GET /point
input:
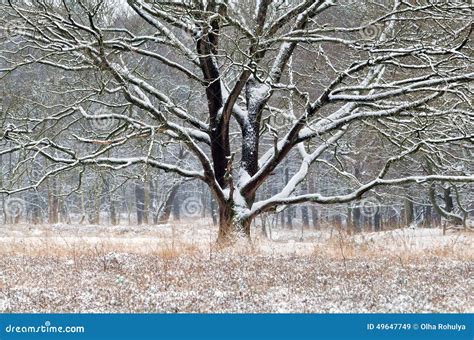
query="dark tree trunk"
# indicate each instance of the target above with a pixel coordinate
(349, 217)
(168, 205)
(314, 211)
(378, 220)
(177, 207)
(53, 202)
(428, 218)
(289, 210)
(409, 213)
(448, 199)
(64, 211)
(305, 216)
(356, 219)
(220, 147)
(289, 218)
(113, 213)
(356, 210)
(36, 217)
(315, 217)
(445, 212)
(110, 202)
(140, 202)
(94, 201)
(231, 228)
(250, 133)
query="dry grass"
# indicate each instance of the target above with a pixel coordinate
(159, 271)
(343, 245)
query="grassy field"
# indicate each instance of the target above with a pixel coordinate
(177, 269)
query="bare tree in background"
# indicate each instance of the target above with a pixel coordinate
(244, 86)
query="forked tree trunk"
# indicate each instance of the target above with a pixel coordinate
(231, 227)
(164, 215)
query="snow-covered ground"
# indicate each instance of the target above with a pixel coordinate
(176, 268)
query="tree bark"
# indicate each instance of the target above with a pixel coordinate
(36, 217)
(356, 219)
(312, 189)
(53, 202)
(408, 211)
(140, 202)
(377, 220)
(305, 216)
(232, 228)
(164, 215)
(428, 218)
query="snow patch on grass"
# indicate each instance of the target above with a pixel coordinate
(178, 269)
